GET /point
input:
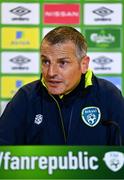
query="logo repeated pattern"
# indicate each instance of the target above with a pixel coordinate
(23, 25)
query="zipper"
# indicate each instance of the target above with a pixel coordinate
(61, 118)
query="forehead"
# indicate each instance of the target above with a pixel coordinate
(65, 46)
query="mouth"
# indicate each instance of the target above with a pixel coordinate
(54, 82)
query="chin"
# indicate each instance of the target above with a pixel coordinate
(54, 92)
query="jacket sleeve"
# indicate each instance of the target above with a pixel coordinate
(12, 121)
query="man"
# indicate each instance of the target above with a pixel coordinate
(69, 105)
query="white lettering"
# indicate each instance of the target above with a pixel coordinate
(33, 160)
(1, 158)
(14, 165)
(6, 159)
(80, 161)
(25, 162)
(73, 163)
(52, 162)
(62, 14)
(63, 163)
(43, 163)
(92, 160)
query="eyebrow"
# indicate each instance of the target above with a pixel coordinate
(59, 59)
(63, 58)
(43, 56)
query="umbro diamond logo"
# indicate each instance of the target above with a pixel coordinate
(102, 60)
(103, 11)
(20, 11)
(20, 60)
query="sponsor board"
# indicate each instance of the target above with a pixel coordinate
(3, 104)
(20, 13)
(20, 38)
(106, 62)
(11, 84)
(103, 13)
(20, 62)
(61, 13)
(104, 38)
(117, 81)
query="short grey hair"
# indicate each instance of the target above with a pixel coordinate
(63, 34)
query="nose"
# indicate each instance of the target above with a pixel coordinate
(52, 70)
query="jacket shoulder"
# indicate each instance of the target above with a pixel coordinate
(27, 92)
(31, 87)
(107, 88)
(104, 84)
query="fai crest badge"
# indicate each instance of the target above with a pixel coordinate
(91, 115)
(114, 160)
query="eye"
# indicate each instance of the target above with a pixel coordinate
(45, 62)
(63, 63)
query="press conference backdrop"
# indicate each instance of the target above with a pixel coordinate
(23, 23)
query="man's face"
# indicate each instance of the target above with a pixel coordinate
(61, 69)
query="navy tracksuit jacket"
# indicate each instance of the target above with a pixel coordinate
(92, 115)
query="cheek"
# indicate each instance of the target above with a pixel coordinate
(69, 79)
(73, 78)
(74, 75)
(44, 72)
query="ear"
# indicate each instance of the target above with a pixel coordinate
(85, 64)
